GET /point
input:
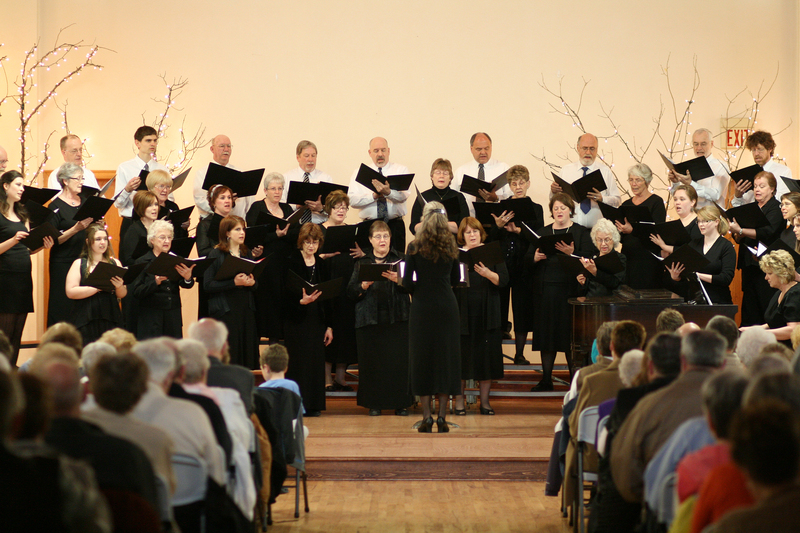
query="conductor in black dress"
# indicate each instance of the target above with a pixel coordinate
(553, 286)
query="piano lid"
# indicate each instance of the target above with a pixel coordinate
(650, 295)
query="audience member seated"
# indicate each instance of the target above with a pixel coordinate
(213, 334)
(669, 320)
(765, 445)
(121, 339)
(727, 327)
(776, 348)
(43, 493)
(119, 465)
(61, 333)
(195, 370)
(610, 512)
(34, 421)
(117, 383)
(687, 328)
(769, 362)
(658, 415)
(750, 343)
(274, 363)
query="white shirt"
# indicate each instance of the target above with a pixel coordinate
(779, 171)
(361, 197)
(491, 170)
(126, 172)
(713, 188)
(88, 179)
(573, 172)
(201, 195)
(315, 176)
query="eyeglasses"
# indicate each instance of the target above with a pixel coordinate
(79, 180)
(635, 181)
(606, 240)
(441, 172)
(340, 208)
(163, 238)
(163, 187)
(381, 237)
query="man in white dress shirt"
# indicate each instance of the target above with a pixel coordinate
(762, 146)
(128, 181)
(307, 171)
(221, 149)
(587, 213)
(3, 159)
(712, 189)
(394, 202)
(483, 168)
(72, 152)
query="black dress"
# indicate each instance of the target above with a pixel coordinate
(482, 326)
(269, 314)
(643, 271)
(434, 337)
(96, 314)
(781, 314)
(344, 349)
(603, 283)
(131, 249)
(304, 332)
(236, 308)
(722, 267)
(693, 229)
(756, 292)
(207, 237)
(16, 287)
(552, 287)
(440, 195)
(61, 258)
(382, 337)
(159, 304)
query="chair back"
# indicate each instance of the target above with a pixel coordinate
(287, 417)
(191, 479)
(587, 425)
(162, 497)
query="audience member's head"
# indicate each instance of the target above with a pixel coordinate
(64, 333)
(160, 360)
(213, 334)
(630, 366)
(722, 398)
(54, 351)
(774, 385)
(765, 443)
(627, 335)
(38, 411)
(12, 403)
(687, 328)
(769, 362)
(669, 320)
(195, 359)
(64, 380)
(604, 338)
(274, 358)
(777, 348)
(118, 381)
(664, 354)
(92, 352)
(703, 349)
(750, 343)
(120, 339)
(726, 327)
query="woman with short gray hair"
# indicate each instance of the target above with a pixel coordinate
(605, 278)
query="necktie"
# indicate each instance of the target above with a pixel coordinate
(481, 177)
(307, 215)
(146, 167)
(383, 209)
(586, 204)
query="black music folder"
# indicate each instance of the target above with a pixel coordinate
(95, 207)
(265, 218)
(178, 180)
(673, 232)
(581, 187)
(101, 276)
(329, 289)
(489, 254)
(792, 185)
(232, 266)
(473, 186)
(36, 236)
(40, 196)
(746, 174)
(257, 235)
(179, 217)
(300, 191)
(164, 265)
(691, 259)
(374, 271)
(761, 250)
(241, 183)
(182, 247)
(143, 177)
(634, 213)
(697, 168)
(546, 243)
(339, 239)
(399, 182)
(609, 263)
(748, 216)
(485, 210)
(38, 214)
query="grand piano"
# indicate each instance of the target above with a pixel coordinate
(642, 306)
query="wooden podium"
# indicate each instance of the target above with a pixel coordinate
(643, 306)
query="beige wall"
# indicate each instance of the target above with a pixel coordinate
(425, 75)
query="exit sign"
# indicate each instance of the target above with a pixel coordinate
(736, 132)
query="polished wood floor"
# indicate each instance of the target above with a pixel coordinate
(425, 506)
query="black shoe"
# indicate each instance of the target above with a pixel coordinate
(459, 412)
(311, 414)
(401, 412)
(374, 412)
(521, 361)
(343, 388)
(543, 386)
(507, 336)
(426, 426)
(488, 411)
(442, 425)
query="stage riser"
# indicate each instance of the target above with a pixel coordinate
(426, 470)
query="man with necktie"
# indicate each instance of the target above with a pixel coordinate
(587, 213)
(308, 172)
(483, 168)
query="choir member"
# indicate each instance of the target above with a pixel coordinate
(220, 198)
(685, 200)
(481, 322)
(159, 183)
(382, 309)
(605, 237)
(434, 325)
(94, 311)
(790, 207)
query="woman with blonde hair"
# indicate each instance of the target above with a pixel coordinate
(434, 346)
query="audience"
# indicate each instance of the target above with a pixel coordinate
(630, 367)
(750, 343)
(727, 327)
(669, 320)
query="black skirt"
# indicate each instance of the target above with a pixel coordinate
(383, 366)
(552, 328)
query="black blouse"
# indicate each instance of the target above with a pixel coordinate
(438, 195)
(765, 234)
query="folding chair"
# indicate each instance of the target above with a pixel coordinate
(587, 435)
(191, 483)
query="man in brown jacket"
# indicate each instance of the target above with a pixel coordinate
(657, 415)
